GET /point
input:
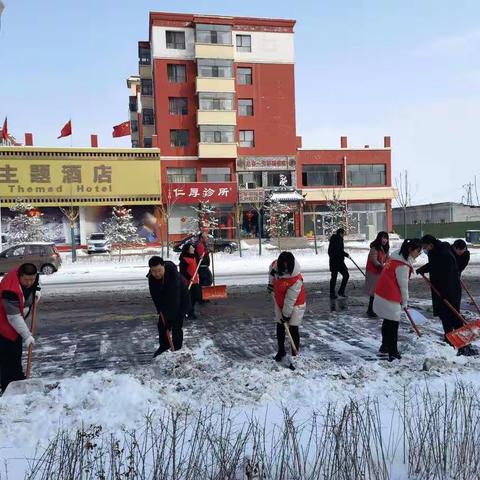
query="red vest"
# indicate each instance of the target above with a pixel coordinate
(280, 287)
(10, 283)
(387, 285)
(381, 255)
(191, 267)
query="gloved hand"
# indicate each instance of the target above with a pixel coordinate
(347, 255)
(29, 341)
(270, 288)
(285, 319)
(38, 295)
(418, 271)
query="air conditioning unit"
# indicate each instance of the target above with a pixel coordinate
(250, 185)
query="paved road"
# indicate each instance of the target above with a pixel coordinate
(116, 329)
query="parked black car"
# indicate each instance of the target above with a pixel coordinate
(219, 244)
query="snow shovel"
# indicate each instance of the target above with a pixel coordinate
(355, 263)
(463, 336)
(414, 326)
(470, 295)
(289, 335)
(214, 292)
(168, 333)
(28, 385)
(196, 271)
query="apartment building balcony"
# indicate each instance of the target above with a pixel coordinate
(215, 85)
(214, 51)
(217, 150)
(216, 117)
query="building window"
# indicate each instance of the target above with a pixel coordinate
(134, 125)
(279, 179)
(366, 175)
(178, 106)
(244, 75)
(216, 174)
(178, 138)
(134, 143)
(247, 138)
(216, 101)
(245, 107)
(147, 142)
(218, 34)
(132, 104)
(144, 57)
(321, 175)
(215, 68)
(250, 179)
(147, 116)
(217, 134)
(177, 73)
(147, 86)
(175, 39)
(244, 43)
(181, 175)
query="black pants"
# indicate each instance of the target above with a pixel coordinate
(10, 361)
(176, 332)
(343, 270)
(195, 296)
(390, 335)
(281, 334)
(205, 276)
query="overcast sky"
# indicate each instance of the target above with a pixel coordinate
(365, 69)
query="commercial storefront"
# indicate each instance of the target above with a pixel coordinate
(260, 177)
(183, 200)
(92, 179)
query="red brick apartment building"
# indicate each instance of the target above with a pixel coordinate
(216, 94)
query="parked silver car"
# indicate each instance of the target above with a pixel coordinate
(97, 243)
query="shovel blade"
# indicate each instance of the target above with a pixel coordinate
(24, 387)
(215, 292)
(463, 336)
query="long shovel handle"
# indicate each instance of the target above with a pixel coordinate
(355, 263)
(417, 331)
(447, 303)
(289, 335)
(470, 295)
(196, 271)
(33, 327)
(167, 333)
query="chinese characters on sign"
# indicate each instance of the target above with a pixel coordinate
(200, 192)
(266, 163)
(52, 178)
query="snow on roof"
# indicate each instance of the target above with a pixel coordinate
(287, 196)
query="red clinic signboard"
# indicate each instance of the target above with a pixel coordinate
(190, 193)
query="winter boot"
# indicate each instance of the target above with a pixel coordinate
(342, 295)
(467, 351)
(159, 351)
(383, 349)
(370, 312)
(279, 356)
(394, 356)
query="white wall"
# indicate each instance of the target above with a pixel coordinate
(159, 43)
(267, 47)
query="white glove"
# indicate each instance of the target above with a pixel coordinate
(38, 295)
(29, 341)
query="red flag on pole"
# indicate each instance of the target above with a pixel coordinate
(5, 130)
(121, 130)
(66, 130)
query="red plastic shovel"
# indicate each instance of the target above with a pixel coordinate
(463, 336)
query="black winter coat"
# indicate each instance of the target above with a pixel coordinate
(462, 260)
(336, 252)
(170, 295)
(444, 275)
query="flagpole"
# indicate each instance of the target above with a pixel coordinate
(71, 135)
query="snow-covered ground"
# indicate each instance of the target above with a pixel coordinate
(103, 268)
(205, 377)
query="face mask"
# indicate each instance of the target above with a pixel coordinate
(425, 251)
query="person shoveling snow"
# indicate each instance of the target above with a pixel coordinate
(19, 291)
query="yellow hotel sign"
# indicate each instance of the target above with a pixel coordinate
(52, 181)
